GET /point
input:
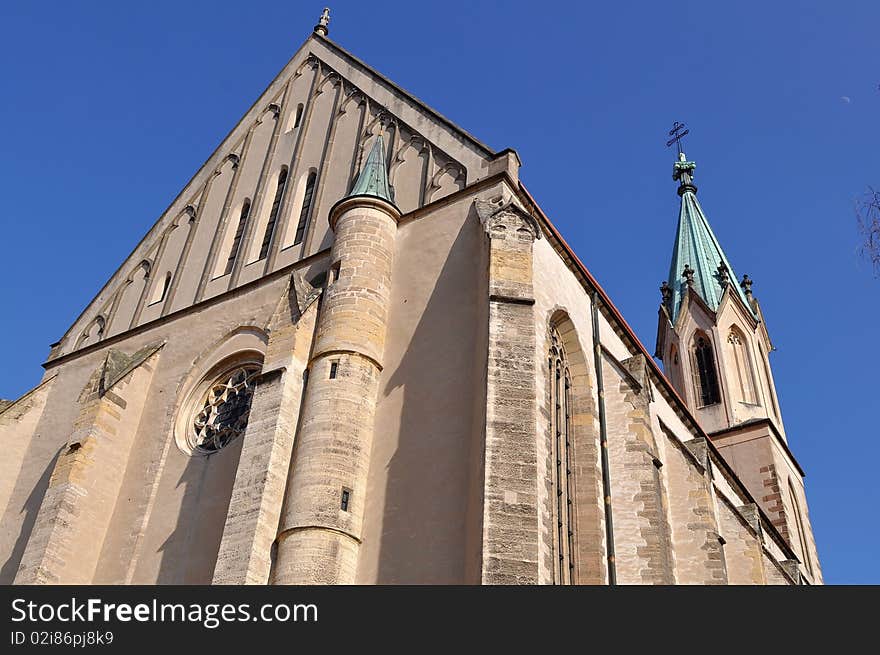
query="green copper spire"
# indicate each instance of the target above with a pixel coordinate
(697, 258)
(373, 178)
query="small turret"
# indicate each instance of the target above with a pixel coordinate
(321, 527)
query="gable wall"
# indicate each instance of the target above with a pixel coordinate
(344, 106)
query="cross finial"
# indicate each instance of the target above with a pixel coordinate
(678, 132)
(321, 28)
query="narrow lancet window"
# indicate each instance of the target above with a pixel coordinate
(273, 214)
(236, 241)
(161, 289)
(306, 208)
(561, 495)
(706, 375)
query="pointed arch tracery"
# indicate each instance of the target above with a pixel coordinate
(574, 551)
(561, 497)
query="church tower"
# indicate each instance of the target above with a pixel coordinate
(714, 345)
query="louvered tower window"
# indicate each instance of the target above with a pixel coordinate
(706, 375)
(236, 241)
(561, 495)
(306, 208)
(273, 215)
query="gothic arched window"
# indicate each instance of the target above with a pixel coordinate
(560, 430)
(223, 412)
(295, 118)
(306, 207)
(705, 373)
(273, 214)
(239, 232)
(744, 373)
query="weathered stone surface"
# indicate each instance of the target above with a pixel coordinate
(321, 525)
(260, 481)
(510, 512)
(77, 507)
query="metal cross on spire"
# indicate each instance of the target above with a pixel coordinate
(677, 132)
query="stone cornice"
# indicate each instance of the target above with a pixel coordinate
(350, 202)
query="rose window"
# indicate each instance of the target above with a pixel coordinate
(224, 412)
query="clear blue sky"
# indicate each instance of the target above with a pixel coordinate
(110, 107)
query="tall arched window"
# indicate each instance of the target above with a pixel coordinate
(273, 214)
(294, 118)
(306, 208)
(239, 231)
(802, 535)
(561, 496)
(745, 375)
(705, 374)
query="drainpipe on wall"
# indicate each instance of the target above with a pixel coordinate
(603, 443)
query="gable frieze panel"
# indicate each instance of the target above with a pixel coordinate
(181, 259)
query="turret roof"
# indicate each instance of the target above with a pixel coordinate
(373, 178)
(697, 249)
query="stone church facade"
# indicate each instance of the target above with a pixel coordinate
(355, 350)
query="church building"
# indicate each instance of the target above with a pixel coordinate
(354, 350)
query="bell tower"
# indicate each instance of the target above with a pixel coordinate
(714, 345)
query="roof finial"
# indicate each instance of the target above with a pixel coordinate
(746, 285)
(321, 28)
(688, 275)
(683, 170)
(666, 293)
(723, 275)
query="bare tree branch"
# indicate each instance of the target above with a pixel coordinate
(868, 218)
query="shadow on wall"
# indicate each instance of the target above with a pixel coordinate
(432, 519)
(189, 553)
(30, 509)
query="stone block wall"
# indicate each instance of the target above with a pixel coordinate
(66, 539)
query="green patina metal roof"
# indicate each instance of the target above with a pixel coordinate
(697, 247)
(373, 178)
